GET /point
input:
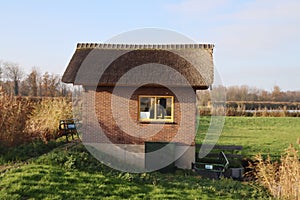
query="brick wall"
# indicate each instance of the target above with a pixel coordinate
(123, 126)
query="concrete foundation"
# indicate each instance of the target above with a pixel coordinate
(134, 155)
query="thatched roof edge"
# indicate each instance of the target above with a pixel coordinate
(143, 46)
(202, 80)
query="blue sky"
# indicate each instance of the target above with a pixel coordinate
(256, 41)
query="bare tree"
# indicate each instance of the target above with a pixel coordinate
(1, 69)
(45, 84)
(13, 72)
(29, 86)
(276, 93)
(33, 82)
(50, 85)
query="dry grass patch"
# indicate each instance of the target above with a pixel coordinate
(281, 179)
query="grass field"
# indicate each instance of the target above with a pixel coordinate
(61, 170)
(69, 172)
(265, 135)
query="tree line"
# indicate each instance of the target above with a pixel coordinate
(14, 81)
(246, 93)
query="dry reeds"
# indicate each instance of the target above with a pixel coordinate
(23, 120)
(45, 117)
(14, 112)
(240, 110)
(281, 179)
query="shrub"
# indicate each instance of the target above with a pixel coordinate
(281, 179)
(45, 117)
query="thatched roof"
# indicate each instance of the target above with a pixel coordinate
(106, 64)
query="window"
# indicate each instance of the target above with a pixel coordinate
(156, 108)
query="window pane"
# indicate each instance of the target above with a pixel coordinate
(164, 107)
(169, 107)
(147, 107)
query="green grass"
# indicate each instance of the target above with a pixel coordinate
(26, 151)
(265, 135)
(69, 172)
(60, 170)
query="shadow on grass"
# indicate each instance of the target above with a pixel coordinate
(26, 151)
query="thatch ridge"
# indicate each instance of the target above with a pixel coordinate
(143, 46)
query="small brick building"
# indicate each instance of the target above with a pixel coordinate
(153, 96)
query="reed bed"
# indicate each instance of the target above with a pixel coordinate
(44, 119)
(282, 179)
(241, 110)
(24, 119)
(14, 112)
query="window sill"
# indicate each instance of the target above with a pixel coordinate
(156, 122)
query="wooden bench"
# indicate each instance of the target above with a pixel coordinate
(68, 127)
(217, 160)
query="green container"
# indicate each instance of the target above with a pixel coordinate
(157, 159)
